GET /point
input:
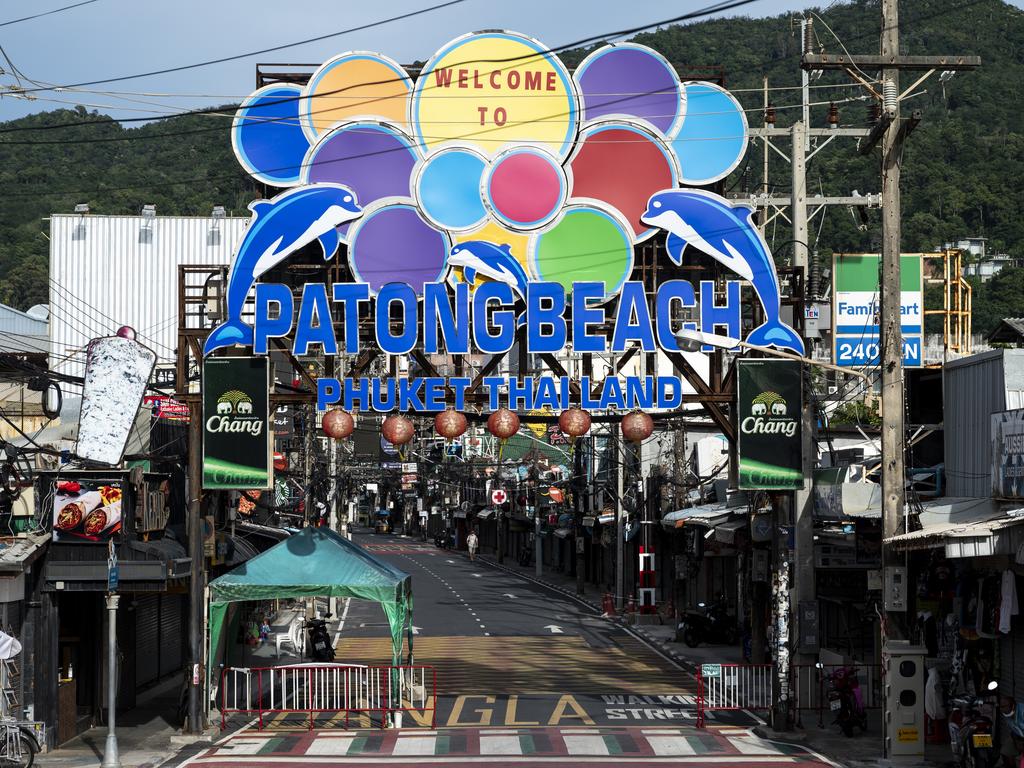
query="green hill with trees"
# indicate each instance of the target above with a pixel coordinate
(961, 170)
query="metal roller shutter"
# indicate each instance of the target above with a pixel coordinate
(147, 640)
(172, 633)
(1011, 654)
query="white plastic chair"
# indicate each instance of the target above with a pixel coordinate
(292, 637)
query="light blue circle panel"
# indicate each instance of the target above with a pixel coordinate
(713, 137)
(266, 135)
(447, 188)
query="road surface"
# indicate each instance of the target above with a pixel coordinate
(525, 676)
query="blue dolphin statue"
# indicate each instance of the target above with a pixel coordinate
(711, 224)
(483, 258)
(278, 228)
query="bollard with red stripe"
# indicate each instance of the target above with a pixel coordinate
(646, 587)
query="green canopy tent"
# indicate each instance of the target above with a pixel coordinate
(316, 562)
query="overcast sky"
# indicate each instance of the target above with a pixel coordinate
(112, 38)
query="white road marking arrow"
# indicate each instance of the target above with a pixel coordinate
(415, 630)
(509, 596)
(554, 630)
(478, 575)
(450, 561)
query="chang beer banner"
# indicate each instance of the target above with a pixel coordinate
(769, 395)
(1008, 454)
(857, 308)
(236, 434)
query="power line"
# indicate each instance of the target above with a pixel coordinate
(706, 11)
(46, 13)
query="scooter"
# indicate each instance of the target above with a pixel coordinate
(971, 730)
(320, 646)
(441, 539)
(845, 700)
(711, 624)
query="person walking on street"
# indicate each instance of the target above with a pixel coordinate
(471, 544)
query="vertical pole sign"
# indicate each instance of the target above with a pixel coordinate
(856, 310)
(769, 395)
(237, 439)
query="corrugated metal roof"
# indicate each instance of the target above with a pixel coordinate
(20, 332)
(109, 271)
(974, 388)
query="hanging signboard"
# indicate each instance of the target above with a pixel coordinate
(236, 424)
(769, 400)
(856, 309)
(1008, 454)
(86, 510)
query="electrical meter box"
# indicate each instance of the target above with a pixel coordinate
(895, 592)
(904, 698)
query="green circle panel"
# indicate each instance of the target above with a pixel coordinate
(586, 244)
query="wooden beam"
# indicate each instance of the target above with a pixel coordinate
(710, 400)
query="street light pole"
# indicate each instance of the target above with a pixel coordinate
(111, 756)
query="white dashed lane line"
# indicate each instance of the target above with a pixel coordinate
(453, 591)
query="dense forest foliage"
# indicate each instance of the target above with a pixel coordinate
(961, 169)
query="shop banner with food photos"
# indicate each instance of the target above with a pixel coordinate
(237, 433)
(86, 510)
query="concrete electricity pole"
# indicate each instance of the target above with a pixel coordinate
(892, 131)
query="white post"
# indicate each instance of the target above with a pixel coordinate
(111, 758)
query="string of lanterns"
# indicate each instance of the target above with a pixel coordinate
(503, 423)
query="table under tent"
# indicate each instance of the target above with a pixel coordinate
(317, 562)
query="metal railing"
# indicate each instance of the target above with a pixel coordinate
(809, 686)
(733, 686)
(335, 689)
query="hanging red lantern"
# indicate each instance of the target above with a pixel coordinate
(574, 422)
(503, 423)
(338, 424)
(637, 426)
(397, 430)
(450, 424)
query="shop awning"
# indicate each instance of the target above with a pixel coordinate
(483, 514)
(726, 532)
(563, 533)
(966, 527)
(709, 515)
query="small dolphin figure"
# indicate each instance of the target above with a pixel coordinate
(711, 224)
(480, 257)
(278, 228)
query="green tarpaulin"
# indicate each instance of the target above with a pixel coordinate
(316, 562)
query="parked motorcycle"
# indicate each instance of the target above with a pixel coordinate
(709, 624)
(971, 730)
(442, 539)
(845, 699)
(320, 646)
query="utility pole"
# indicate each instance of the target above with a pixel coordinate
(111, 756)
(890, 328)
(618, 450)
(197, 575)
(892, 131)
(803, 584)
(578, 485)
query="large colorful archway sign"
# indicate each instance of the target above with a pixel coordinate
(498, 172)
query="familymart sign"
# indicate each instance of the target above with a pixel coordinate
(856, 308)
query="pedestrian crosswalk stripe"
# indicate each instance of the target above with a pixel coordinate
(330, 746)
(500, 745)
(414, 745)
(751, 745)
(586, 745)
(670, 746)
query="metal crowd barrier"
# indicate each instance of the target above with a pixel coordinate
(733, 686)
(809, 686)
(316, 689)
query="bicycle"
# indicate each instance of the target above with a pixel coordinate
(18, 744)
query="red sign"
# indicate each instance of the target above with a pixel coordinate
(498, 496)
(168, 408)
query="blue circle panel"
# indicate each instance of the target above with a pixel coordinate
(267, 138)
(713, 137)
(448, 189)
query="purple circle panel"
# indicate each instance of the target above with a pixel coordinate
(630, 81)
(394, 245)
(371, 160)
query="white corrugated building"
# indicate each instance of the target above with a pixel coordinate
(109, 271)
